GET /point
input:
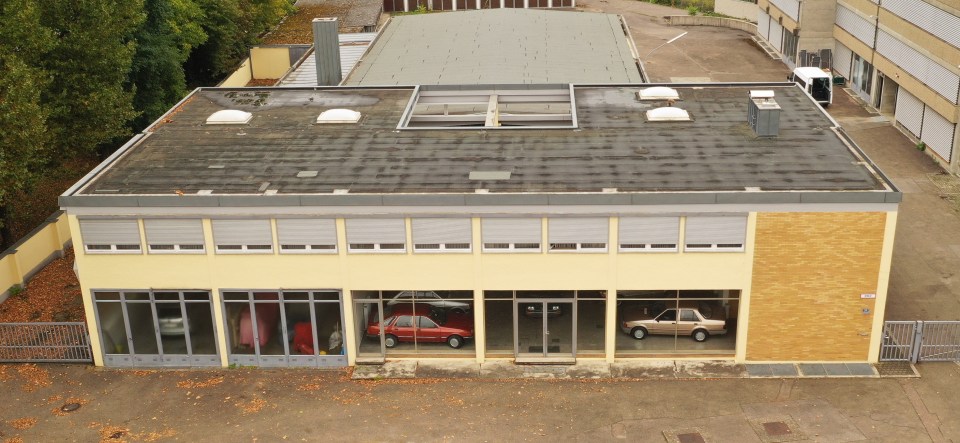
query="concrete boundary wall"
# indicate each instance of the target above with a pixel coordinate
(29, 255)
(737, 8)
(240, 77)
(723, 22)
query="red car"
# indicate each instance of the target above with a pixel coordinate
(406, 325)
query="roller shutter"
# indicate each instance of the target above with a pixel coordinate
(441, 231)
(937, 133)
(842, 59)
(307, 234)
(776, 36)
(763, 25)
(376, 230)
(110, 232)
(928, 71)
(174, 233)
(909, 111)
(789, 7)
(511, 230)
(649, 233)
(856, 25)
(716, 231)
(932, 19)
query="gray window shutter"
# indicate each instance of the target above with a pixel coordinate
(856, 25)
(174, 232)
(511, 230)
(242, 232)
(307, 231)
(938, 133)
(649, 230)
(909, 111)
(842, 57)
(376, 230)
(578, 230)
(441, 230)
(110, 232)
(716, 230)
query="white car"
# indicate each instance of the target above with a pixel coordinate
(429, 298)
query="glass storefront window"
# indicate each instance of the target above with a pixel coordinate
(677, 321)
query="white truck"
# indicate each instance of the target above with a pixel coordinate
(817, 83)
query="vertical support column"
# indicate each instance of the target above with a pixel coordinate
(743, 315)
(220, 322)
(96, 342)
(610, 320)
(917, 343)
(883, 283)
(479, 308)
(350, 339)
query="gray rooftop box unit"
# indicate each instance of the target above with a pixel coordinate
(763, 114)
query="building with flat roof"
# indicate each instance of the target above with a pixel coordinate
(539, 223)
(901, 57)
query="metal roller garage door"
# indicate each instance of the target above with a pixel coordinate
(776, 36)
(937, 133)
(841, 60)
(909, 111)
(763, 25)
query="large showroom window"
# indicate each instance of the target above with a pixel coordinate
(284, 328)
(420, 322)
(677, 322)
(156, 328)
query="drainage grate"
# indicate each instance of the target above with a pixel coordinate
(691, 437)
(896, 369)
(776, 428)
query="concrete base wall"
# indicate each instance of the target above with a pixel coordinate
(736, 8)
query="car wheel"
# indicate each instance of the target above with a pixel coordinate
(455, 341)
(390, 341)
(639, 333)
(700, 335)
(458, 310)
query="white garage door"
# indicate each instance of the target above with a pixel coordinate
(763, 25)
(937, 133)
(909, 111)
(842, 57)
(776, 36)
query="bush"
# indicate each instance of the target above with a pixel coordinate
(692, 10)
(15, 290)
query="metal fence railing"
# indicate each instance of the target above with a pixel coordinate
(917, 341)
(45, 342)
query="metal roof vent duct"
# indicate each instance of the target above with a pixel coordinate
(658, 93)
(338, 116)
(326, 50)
(229, 117)
(668, 114)
(763, 114)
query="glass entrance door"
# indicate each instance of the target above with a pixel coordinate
(545, 330)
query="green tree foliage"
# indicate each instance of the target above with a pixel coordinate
(169, 34)
(232, 26)
(24, 141)
(89, 100)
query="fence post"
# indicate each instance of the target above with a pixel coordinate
(917, 342)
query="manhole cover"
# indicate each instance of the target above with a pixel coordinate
(70, 407)
(691, 437)
(776, 428)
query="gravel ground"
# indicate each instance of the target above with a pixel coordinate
(53, 294)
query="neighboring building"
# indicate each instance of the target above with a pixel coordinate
(795, 28)
(460, 5)
(902, 57)
(539, 223)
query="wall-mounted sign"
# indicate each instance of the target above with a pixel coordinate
(868, 295)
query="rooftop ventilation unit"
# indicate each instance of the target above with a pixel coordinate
(763, 114)
(668, 114)
(338, 116)
(658, 93)
(229, 117)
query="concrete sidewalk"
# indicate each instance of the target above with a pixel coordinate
(628, 370)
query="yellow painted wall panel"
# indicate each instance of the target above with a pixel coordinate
(809, 273)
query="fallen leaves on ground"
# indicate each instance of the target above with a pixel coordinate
(34, 377)
(262, 82)
(309, 387)
(52, 295)
(13, 440)
(113, 433)
(252, 406)
(23, 423)
(192, 384)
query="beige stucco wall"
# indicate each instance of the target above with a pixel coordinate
(809, 273)
(269, 62)
(240, 77)
(33, 252)
(737, 8)
(816, 24)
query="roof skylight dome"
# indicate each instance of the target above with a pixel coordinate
(658, 93)
(338, 116)
(668, 114)
(229, 117)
